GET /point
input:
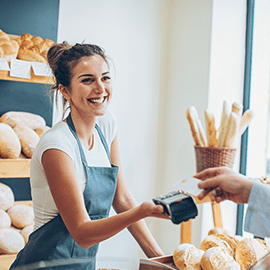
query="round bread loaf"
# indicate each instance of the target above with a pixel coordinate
(28, 139)
(250, 250)
(187, 256)
(42, 130)
(31, 120)
(216, 258)
(26, 231)
(10, 146)
(21, 215)
(215, 241)
(6, 197)
(217, 230)
(10, 241)
(5, 221)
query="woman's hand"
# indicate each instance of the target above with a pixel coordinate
(152, 210)
(223, 183)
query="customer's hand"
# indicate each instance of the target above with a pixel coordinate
(223, 183)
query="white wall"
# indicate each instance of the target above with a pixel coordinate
(164, 64)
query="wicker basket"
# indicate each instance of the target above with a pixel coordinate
(209, 157)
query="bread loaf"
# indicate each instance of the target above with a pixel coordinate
(245, 121)
(21, 215)
(187, 256)
(216, 258)
(28, 138)
(26, 231)
(30, 55)
(5, 221)
(42, 130)
(250, 250)
(10, 146)
(31, 120)
(217, 230)
(6, 197)
(215, 241)
(10, 241)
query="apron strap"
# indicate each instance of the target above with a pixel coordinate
(102, 138)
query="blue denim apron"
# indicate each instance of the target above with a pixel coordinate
(52, 241)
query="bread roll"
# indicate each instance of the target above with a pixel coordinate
(42, 130)
(26, 231)
(250, 250)
(215, 241)
(5, 221)
(21, 215)
(28, 55)
(4, 35)
(6, 197)
(28, 138)
(31, 120)
(36, 40)
(232, 241)
(187, 256)
(211, 132)
(10, 146)
(26, 36)
(217, 230)
(216, 258)
(10, 241)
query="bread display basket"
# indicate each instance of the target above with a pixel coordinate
(210, 157)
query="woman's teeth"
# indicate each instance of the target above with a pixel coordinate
(97, 100)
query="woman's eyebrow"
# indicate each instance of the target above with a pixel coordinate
(91, 75)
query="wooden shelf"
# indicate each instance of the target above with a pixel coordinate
(15, 168)
(4, 75)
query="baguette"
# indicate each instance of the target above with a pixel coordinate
(211, 132)
(223, 125)
(237, 108)
(200, 127)
(194, 126)
(245, 121)
(231, 130)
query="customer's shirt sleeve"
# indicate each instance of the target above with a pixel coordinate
(257, 219)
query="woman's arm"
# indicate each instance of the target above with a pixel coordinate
(68, 197)
(123, 201)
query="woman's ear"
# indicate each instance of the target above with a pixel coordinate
(64, 91)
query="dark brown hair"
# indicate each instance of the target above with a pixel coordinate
(63, 57)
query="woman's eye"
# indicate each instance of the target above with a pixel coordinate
(87, 80)
(106, 78)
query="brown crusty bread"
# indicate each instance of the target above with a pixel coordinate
(6, 197)
(187, 256)
(10, 146)
(28, 139)
(5, 221)
(10, 241)
(250, 250)
(31, 120)
(21, 215)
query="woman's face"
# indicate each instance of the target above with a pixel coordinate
(90, 88)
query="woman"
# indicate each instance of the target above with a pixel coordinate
(225, 184)
(75, 171)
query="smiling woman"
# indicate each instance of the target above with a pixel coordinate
(76, 175)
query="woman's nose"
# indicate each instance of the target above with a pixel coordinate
(100, 88)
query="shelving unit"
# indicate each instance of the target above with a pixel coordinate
(19, 168)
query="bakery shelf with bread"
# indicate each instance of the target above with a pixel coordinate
(19, 134)
(16, 224)
(27, 48)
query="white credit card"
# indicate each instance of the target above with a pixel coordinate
(189, 185)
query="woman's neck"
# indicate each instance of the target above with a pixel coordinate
(84, 126)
